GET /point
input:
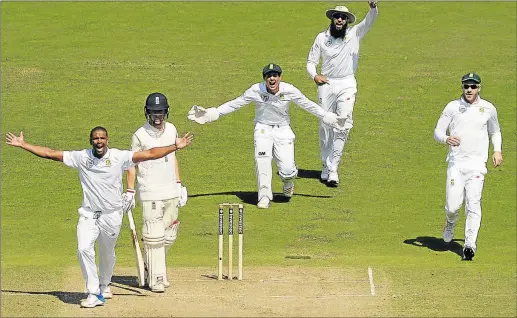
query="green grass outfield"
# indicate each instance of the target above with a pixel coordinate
(67, 67)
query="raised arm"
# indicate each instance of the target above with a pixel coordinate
(364, 26)
(204, 116)
(159, 152)
(301, 100)
(43, 152)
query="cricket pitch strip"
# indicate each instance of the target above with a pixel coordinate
(196, 292)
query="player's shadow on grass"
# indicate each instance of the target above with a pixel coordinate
(437, 244)
(251, 197)
(128, 283)
(311, 174)
(64, 296)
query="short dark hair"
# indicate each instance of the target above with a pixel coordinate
(98, 128)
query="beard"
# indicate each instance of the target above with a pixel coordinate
(337, 33)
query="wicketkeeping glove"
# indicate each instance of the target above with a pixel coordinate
(128, 200)
(203, 116)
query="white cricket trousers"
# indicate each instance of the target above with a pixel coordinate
(338, 96)
(104, 228)
(273, 142)
(465, 183)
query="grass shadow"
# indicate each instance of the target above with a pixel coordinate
(128, 283)
(64, 296)
(437, 244)
(251, 197)
(309, 174)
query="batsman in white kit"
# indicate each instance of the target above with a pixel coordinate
(465, 126)
(338, 48)
(100, 215)
(274, 138)
(159, 189)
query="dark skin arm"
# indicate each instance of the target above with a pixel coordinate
(159, 152)
(43, 152)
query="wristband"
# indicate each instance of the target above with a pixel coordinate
(130, 190)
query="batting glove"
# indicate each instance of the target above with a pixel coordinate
(128, 200)
(182, 190)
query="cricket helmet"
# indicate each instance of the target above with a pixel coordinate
(156, 102)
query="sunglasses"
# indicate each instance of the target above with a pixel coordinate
(339, 16)
(473, 86)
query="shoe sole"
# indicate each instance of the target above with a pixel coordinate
(468, 254)
(91, 306)
(332, 183)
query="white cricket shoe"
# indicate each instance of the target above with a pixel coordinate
(324, 173)
(333, 179)
(288, 188)
(158, 288)
(263, 203)
(106, 292)
(166, 283)
(92, 301)
(448, 231)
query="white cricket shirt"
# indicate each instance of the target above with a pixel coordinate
(339, 56)
(472, 123)
(156, 179)
(101, 179)
(272, 109)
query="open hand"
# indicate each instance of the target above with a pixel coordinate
(13, 140)
(185, 141)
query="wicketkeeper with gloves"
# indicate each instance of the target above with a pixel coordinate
(158, 188)
(274, 138)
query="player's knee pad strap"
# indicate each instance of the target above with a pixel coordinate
(153, 233)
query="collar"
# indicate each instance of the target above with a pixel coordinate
(263, 88)
(464, 102)
(153, 131)
(106, 155)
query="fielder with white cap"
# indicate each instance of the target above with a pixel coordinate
(274, 138)
(469, 121)
(159, 189)
(338, 48)
(100, 215)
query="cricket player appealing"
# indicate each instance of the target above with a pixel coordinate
(338, 48)
(274, 138)
(469, 121)
(159, 189)
(100, 215)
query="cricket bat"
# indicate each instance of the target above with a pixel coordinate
(138, 252)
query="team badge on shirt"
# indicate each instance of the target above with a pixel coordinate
(452, 182)
(462, 108)
(265, 98)
(328, 42)
(481, 109)
(281, 97)
(108, 163)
